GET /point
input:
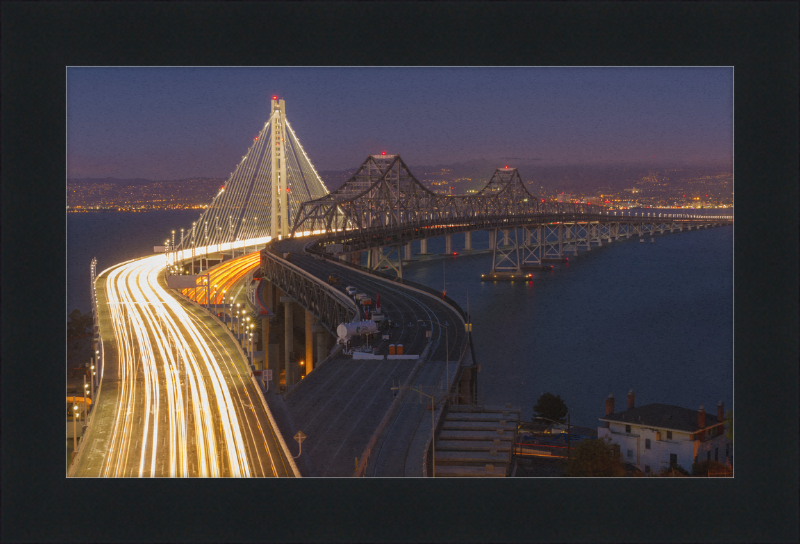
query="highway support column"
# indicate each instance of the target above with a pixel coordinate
(266, 343)
(467, 241)
(407, 248)
(448, 243)
(288, 336)
(423, 246)
(309, 360)
(322, 348)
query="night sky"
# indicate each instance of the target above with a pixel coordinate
(174, 123)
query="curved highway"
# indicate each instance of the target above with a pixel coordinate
(342, 403)
(185, 403)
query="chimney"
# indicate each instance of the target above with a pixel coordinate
(720, 412)
(630, 399)
(701, 417)
(610, 404)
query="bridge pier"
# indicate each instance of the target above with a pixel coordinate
(322, 349)
(468, 241)
(407, 251)
(492, 239)
(448, 244)
(423, 247)
(288, 337)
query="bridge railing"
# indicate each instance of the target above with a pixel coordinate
(329, 305)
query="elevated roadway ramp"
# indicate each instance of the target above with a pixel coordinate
(341, 403)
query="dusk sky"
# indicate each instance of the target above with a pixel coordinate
(173, 123)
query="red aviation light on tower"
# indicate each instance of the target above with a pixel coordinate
(256, 138)
(383, 152)
(506, 167)
(275, 97)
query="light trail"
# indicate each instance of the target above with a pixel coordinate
(224, 276)
(174, 395)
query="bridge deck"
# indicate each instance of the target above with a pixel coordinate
(342, 403)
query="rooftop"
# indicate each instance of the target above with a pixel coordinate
(664, 416)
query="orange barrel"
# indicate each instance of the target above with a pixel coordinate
(399, 349)
(392, 349)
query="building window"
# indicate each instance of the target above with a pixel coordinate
(647, 469)
(669, 435)
(716, 454)
(627, 429)
(673, 459)
(647, 443)
(630, 454)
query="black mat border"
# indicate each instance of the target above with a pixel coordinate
(759, 39)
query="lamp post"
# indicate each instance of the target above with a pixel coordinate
(74, 430)
(93, 378)
(85, 409)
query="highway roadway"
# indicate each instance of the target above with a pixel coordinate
(185, 404)
(341, 404)
(412, 312)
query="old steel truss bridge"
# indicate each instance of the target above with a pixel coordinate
(384, 206)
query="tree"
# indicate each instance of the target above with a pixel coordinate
(729, 425)
(595, 458)
(79, 324)
(702, 468)
(550, 406)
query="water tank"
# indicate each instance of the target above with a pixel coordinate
(348, 330)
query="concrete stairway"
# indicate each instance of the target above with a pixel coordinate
(476, 444)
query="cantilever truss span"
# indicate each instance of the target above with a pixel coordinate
(384, 193)
(263, 193)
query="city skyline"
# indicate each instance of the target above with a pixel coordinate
(173, 123)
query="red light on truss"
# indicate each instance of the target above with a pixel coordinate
(274, 97)
(383, 153)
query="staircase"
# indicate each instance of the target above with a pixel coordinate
(476, 443)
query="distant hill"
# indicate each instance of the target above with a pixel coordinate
(127, 182)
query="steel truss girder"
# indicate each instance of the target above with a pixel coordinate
(532, 242)
(375, 264)
(326, 304)
(554, 241)
(506, 257)
(384, 193)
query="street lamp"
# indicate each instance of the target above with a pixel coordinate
(74, 430)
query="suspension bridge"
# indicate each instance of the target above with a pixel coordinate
(180, 366)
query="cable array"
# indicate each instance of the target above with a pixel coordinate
(242, 209)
